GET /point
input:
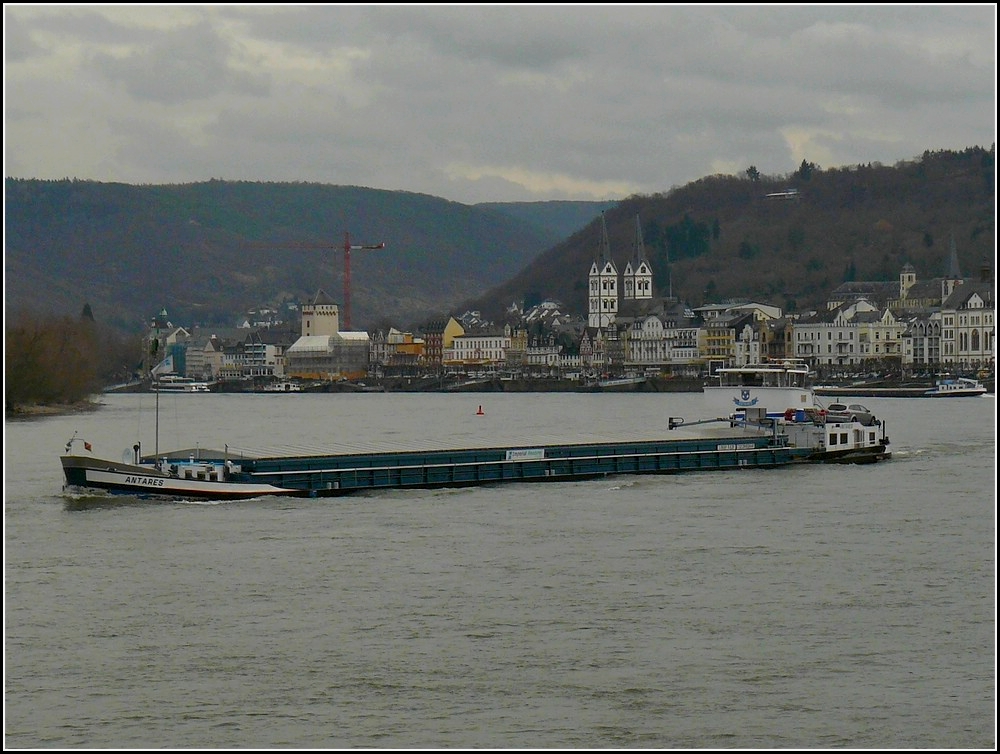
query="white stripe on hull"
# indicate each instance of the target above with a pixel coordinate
(160, 485)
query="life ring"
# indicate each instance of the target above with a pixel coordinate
(789, 414)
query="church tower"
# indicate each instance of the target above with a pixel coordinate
(603, 299)
(907, 279)
(637, 280)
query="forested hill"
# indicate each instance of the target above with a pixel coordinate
(723, 237)
(208, 252)
(559, 217)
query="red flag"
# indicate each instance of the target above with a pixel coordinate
(87, 445)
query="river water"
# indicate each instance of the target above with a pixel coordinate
(802, 607)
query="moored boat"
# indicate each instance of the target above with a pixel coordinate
(956, 387)
(871, 392)
(620, 383)
(173, 383)
(283, 386)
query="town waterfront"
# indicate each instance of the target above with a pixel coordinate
(813, 606)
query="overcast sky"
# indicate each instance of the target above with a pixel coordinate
(499, 103)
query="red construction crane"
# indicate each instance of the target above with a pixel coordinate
(347, 247)
(347, 274)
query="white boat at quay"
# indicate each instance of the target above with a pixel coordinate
(956, 387)
(283, 386)
(174, 383)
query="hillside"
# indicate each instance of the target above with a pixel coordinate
(562, 219)
(722, 238)
(209, 251)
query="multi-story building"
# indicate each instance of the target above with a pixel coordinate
(593, 354)
(438, 336)
(880, 335)
(922, 339)
(484, 350)
(968, 333)
(831, 337)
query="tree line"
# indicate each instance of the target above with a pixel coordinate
(62, 360)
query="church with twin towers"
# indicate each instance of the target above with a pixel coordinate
(607, 290)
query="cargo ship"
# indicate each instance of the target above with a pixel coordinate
(745, 435)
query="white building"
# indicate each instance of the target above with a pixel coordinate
(968, 334)
(831, 337)
(478, 350)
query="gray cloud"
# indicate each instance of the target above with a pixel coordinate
(180, 65)
(496, 103)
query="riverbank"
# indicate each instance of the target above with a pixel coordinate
(39, 411)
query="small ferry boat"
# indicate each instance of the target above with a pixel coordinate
(956, 387)
(871, 392)
(618, 383)
(283, 386)
(174, 383)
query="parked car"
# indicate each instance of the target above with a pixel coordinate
(850, 412)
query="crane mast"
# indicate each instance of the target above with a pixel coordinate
(347, 247)
(347, 274)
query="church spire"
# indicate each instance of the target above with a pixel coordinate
(954, 272)
(604, 246)
(640, 249)
(638, 277)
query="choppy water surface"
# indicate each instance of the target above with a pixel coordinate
(823, 606)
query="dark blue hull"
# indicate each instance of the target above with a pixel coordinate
(340, 474)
